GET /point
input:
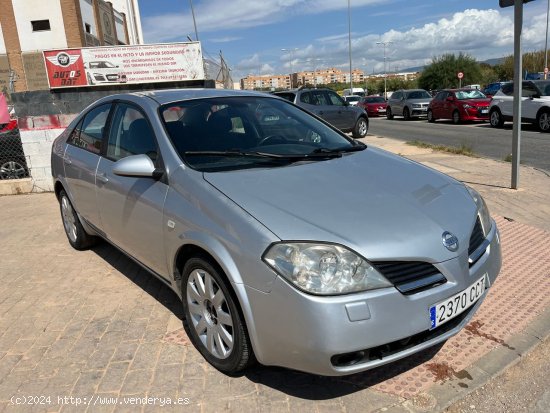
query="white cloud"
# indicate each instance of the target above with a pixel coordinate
(226, 39)
(253, 65)
(216, 15)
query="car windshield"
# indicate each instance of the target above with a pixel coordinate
(419, 94)
(375, 99)
(242, 132)
(469, 94)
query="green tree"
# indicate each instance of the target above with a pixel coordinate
(442, 72)
(533, 62)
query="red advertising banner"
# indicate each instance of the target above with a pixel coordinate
(151, 63)
(65, 68)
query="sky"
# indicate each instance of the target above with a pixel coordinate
(251, 33)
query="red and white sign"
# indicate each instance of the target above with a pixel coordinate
(151, 63)
(460, 75)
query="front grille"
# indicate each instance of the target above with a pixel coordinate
(410, 277)
(477, 237)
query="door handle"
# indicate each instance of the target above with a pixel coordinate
(103, 178)
(67, 160)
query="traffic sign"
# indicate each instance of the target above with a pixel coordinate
(460, 75)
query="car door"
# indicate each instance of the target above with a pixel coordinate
(530, 104)
(323, 107)
(397, 103)
(437, 104)
(344, 114)
(82, 154)
(505, 99)
(131, 208)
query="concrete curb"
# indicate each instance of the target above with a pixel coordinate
(493, 364)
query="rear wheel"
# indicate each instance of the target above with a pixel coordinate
(543, 121)
(361, 128)
(389, 114)
(77, 236)
(12, 170)
(456, 117)
(406, 113)
(495, 118)
(431, 117)
(212, 317)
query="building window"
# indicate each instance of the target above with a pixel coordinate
(40, 25)
(88, 28)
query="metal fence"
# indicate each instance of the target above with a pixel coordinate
(13, 163)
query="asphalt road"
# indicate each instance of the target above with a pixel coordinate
(480, 137)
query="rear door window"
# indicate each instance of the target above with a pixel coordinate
(88, 134)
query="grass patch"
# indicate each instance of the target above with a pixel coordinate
(508, 158)
(463, 149)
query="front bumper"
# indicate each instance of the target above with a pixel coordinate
(311, 333)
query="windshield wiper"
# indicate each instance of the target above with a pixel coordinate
(266, 155)
(359, 147)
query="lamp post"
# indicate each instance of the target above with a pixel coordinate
(385, 72)
(194, 21)
(546, 42)
(349, 47)
(292, 50)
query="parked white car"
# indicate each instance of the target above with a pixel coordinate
(353, 100)
(535, 105)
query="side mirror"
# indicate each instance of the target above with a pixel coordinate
(137, 166)
(346, 103)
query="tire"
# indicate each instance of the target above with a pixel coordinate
(361, 128)
(389, 114)
(211, 309)
(431, 117)
(406, 113)
(77, 236)
(456, 117)
(495, 118)
(12, 169)
(543, 121)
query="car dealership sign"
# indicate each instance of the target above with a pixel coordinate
(151, 63)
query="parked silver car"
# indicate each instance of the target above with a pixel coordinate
(409, 103)
(285, 239)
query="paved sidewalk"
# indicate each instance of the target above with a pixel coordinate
(94, 326)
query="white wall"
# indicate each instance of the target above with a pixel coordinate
(29, 10)
(87, 12)
(127, 7)
(2, 44)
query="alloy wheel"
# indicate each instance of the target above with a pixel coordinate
(544, 121)
(12, 170)
(210, 314)
(69, 220)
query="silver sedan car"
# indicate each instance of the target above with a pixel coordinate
(288, 242)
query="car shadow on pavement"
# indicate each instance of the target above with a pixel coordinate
(142, 278)
(314, 387)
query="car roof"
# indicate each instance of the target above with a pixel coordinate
(165, 96)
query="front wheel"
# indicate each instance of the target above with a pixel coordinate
(361, 128)
(406, 113)
(431, 117)
(495, 119)
(456, 117)
(77, 236)
(389, 114)
(543, 121)
(212, 318)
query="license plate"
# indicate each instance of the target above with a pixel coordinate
(448, 309)
(484, 111)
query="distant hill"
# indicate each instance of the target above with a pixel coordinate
(492, 62)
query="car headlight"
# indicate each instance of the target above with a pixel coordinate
(324, 269)
(417, 106)
(482, 210)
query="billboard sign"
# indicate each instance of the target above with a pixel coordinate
(151, 63)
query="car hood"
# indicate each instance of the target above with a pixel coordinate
(378, 204)
(476, 102)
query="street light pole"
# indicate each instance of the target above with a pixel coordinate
(385, 72)
(349, 46)
(194, 21)
(546, 42)
(292, 50)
